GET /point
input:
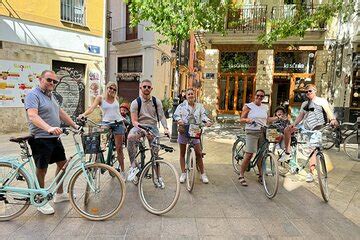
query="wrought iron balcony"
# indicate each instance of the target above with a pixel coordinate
(247, 18)
(289, 11)
(125, 34)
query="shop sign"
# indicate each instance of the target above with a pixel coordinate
(16, 79)
(295, 62)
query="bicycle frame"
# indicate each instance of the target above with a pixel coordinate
(35, 189)
(260, 153)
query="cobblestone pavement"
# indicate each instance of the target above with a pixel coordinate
(221, 209)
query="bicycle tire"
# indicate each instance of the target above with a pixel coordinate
(146, 181)
(25, 206)
(327, 138)
(95, 202)
(322, 176)
(237, 156)
(190, 170)
(270, 175)
(352, 146)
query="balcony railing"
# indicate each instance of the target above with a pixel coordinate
(289, 11)
(124, 34)
(247, 18)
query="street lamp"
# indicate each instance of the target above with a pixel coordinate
(175, 56)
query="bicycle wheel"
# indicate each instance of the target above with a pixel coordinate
(327, 138)
(105, 194)
(12, 204)
(238, 151)
(322, 176)
(190, 170)
(270, 175)
(352, 146)
(157, 197)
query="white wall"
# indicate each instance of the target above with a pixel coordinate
(29, 33)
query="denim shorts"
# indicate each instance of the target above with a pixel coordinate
(118, 129)
(182, 139)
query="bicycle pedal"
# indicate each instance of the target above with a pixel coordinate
(2, 197)
(20, 178)
(159, 158)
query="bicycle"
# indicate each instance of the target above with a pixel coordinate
(94, 138)
(194, 132)
(346, 134)
(92, 194)
(309, 143)
(157, 180)
(269, 164)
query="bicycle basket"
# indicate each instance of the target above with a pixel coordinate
(193, 131)
(273, 135)
(91, 142)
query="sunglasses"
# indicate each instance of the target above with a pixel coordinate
(49, 80)
(111, 88)
(146, 87)
(260, 96)
(309, 91)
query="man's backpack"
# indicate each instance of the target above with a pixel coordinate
(138, 99)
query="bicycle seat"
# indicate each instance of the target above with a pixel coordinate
(20, 139)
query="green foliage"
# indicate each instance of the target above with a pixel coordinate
(301, 21)
(176, 19)
(167, 103)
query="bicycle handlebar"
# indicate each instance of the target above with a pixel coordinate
(84, 120)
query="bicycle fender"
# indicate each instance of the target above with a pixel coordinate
(15, 163)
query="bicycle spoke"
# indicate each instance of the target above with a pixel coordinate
(12, 204)
(98, 196)
(159, 194)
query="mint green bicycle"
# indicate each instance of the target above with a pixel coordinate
(94, 194)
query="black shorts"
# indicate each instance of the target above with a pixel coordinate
(46, 151)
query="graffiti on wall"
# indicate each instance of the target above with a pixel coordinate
(70, 91)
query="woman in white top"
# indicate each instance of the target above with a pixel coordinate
(111, 112)
(190, 111)
(255, 115)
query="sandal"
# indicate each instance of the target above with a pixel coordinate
(243, 182)
(260, 180)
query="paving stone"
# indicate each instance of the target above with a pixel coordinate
(213, 227)
(280, 227)
(185, 227)
(73, 227)
(221, 209)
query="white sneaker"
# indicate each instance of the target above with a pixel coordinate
(309, 177)
(182, 177)
(204, 178)
(160, 183)
(47, 209)
(132, 173)
(61, 197)
(285, 157)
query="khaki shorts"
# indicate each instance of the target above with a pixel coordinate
(253, 140)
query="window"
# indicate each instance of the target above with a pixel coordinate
(73, 11)
(130, 64)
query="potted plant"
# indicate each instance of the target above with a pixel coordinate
(167, 104)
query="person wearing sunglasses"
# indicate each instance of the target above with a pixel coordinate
(314, 113)
(110, 107)
(252, 113)
(147, 111)
(44, 117)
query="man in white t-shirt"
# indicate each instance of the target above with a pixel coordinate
(314, 113)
